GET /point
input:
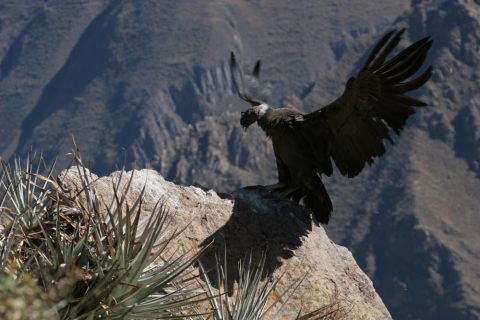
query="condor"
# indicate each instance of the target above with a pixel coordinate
(348, 132)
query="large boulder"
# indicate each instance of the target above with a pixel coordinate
(252, 221)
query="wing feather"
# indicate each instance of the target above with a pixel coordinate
(410, 69)
(402, 56)
(415, 83)
(377, 48)
(239, 81)
(388, 49)
(372, 104)
(256, 69)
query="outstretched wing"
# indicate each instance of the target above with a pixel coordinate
(355, 125)
(247, 84)
(243, 85)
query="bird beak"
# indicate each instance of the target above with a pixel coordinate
(248, 118)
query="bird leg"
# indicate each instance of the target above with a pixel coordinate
(275, 187)
(281, 190)
(286, 193)
(255, 187)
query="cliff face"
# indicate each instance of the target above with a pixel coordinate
(148, 82)
(252, 221)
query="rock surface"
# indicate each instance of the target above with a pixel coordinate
(253, 221)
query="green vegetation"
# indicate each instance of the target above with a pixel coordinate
(251, 298)
(68, 255)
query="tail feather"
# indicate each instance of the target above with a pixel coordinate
(319, 202)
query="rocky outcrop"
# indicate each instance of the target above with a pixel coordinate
(253, 221)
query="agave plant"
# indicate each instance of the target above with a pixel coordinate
(253, 297)
(94, 260)
(23, 201)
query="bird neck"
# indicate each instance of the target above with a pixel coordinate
(264, 120)
(262, 110)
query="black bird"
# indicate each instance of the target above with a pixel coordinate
(350, 131)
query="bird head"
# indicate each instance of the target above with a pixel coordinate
(252, 115)
(248, 117)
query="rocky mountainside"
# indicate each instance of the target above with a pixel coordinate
(252, 222)
(147, 84)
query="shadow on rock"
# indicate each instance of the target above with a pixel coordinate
(260, 222)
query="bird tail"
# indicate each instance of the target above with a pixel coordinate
(319, 202)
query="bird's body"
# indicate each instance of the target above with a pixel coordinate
(298, 170)
(349, 132)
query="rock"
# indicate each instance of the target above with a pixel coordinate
(252, 221)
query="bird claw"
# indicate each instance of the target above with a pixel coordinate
(280, 190)
(287, 193)
(276, 187)
(255, 187)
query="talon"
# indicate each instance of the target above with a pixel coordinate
(287, 193)
(276, 187)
